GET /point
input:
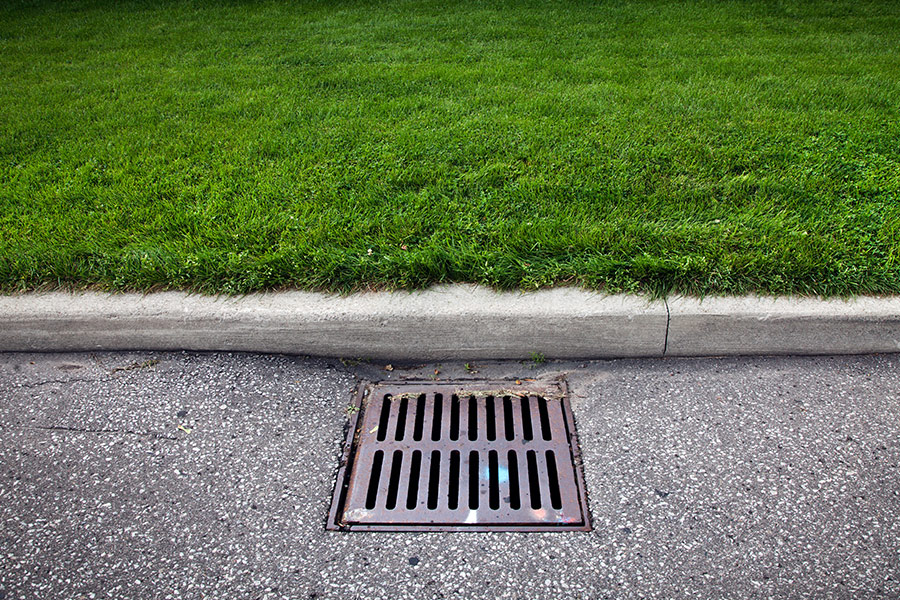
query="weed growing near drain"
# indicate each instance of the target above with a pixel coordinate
(692, 146)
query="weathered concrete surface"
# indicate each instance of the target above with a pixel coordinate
(753, 325)
(706, 478)
(450, 322)
(456, 321)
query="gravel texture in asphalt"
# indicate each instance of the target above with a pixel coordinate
(176, 475)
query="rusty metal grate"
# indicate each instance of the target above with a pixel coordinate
(476, 456)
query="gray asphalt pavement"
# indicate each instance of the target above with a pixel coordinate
(173, 475)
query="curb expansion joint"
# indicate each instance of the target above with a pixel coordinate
(668, 320)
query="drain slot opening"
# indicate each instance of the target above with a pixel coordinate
(420, 419)
(508, 419)
(515, 501)
(545, 418)
(436, 423)
(453, 487)
(490, 419)
(372, 496)
(394, 485)
(434, 478)
(494, 499)
(412, 498)
(534, 484)
(473, 480)
(527, 431)
(385, 415)
(553, 480)
(401, 420)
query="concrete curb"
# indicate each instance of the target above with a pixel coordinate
(449, 322)
(753, 325)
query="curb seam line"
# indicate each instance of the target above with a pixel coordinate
(668, 318)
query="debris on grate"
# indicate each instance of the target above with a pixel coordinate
(463, 456)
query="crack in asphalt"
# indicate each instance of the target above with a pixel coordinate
(29, 386)
(159, 436)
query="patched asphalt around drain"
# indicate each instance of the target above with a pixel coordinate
(754, 478)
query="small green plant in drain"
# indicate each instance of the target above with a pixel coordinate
(351, 409)
(538, 358)
(352, 362)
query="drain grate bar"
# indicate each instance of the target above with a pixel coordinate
(450, 457)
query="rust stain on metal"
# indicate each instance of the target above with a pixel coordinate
(475, 456)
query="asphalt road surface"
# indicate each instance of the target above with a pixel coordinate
(176, 475)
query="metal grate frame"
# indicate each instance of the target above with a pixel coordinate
(460, 456)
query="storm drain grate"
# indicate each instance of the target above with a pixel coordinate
(479, 456)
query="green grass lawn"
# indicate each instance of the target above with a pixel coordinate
(700, 147)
